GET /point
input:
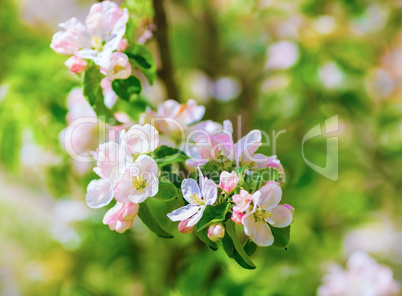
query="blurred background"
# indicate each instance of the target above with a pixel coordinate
(280, 65)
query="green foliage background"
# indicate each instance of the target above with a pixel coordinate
(210, 39)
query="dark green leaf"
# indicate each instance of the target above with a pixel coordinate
(151, 222)
(167, 190)
(228, 246)
(143, 59)
(125, 88)
(240, 255)
(165, 155)
(213, 214)
(250, 247)
(281, 236)
(258, 178)
(91, 85)
(172, 177)
(203, 236)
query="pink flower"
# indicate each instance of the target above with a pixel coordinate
(216, 231)
(184, 228)
(266, 209)
(122, 45)
(363, 276)
(121, 216)
(261, 161)
(237, 217)
(110, 96)
(76, 65)
(140, 139)
(136, 181)
(228, 181)
(108, 156)
(243, 200)
(105, 27)
(117, 67)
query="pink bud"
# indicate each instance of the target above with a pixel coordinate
(183, 228)
(121, 216)
(228, 181)
(292, 209)
(216, 232)
(237, 217)
(76, 65)
(122, 45)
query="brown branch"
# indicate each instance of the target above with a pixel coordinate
(166, 73)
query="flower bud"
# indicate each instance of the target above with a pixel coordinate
(122, 45)
(237, 217)
(228, 181)
(76, 65)
(216, 232)
(183, 228)
(292, 209)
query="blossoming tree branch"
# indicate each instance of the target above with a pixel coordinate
(169, 153)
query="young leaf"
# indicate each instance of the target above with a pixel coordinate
(91, 85)
(125, 88)
(281, 236)
(143, 59)
(151, 222)
(167, 190)
(203, 236)
(165, 155)
(240, 255)
(213, 214)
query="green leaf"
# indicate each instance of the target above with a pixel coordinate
(228, 246)
(165, 155)
(281, 236)
(172, 177)
(203, 236)
(250, 247)
(143, 59)
(260, 177)
(151, 222)
(213, 214)
(239, 255)
(167, 190)
(125, 88)
(91, 85)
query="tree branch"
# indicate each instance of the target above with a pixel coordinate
(166, 73)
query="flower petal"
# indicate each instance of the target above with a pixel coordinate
(183, 213)
(197, 216)
(271, 194)
(247, 145)
(209, 192)
(99, 193)
(259, 232)
(189, 187)
(281, 217)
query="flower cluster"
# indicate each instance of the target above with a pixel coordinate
(100, 40)
(126, 173)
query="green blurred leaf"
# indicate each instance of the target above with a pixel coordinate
(125, 88)
(143, 59)
(281, 236)
(213, 214)
(166, 190)
(165, 155)
(151, 222)
(239, 253)
(91, 85)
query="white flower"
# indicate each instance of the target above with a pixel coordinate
(99, 193)
(140, 139)
(266, 210)
(198, 198)
(118, 67)
(136, 181)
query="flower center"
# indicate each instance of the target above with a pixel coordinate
(195, 199)
(117, 68)
(97, 43)
(261, 215)
(138, 183)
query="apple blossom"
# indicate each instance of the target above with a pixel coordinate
(228, 181)
(237, 217)
(108, 156)
(363, 276)
(198, 198)
(243, 200)
(99, 193)
(140, 139)
(121, 216)
(266, 209)
(76, 65)
(105, 27)
(215, 232)
(118, 67)
(136, 181)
